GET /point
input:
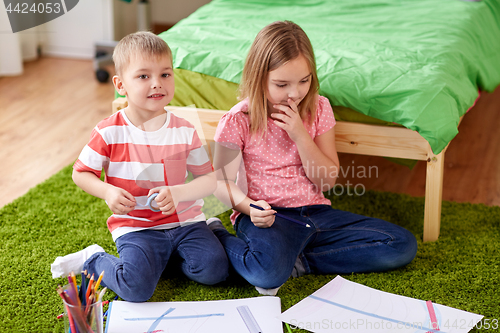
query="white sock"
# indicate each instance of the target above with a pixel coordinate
(215, 223)
(63, 266)
(212, 220)
(267, 292)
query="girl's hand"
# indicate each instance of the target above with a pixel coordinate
(119, 200)
(165, 200)
(262, 218)
(289, 120)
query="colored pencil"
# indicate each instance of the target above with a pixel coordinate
(101, 294)
(283, 216)
(61, 315)
(73, 293)
(81, 317)
(98, 283)
(75, 286)
(70, 318)
(89, 302)
(89, 287)
(83, 287)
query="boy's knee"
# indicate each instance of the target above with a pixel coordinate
(214, 276)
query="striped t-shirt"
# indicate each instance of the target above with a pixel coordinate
(137, 161)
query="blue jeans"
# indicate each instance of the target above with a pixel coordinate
(338, 242)
(145, 254)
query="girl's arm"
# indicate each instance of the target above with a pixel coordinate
(319, 156)
(226, 163)
(118, 200)
(320, 160)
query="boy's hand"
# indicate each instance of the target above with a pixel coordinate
(165, 200)
(262, 218)
(119, 201)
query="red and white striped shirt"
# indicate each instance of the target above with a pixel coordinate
(137, 161)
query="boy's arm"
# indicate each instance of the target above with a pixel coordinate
(199, 188)
(118, 200)
(169, 196)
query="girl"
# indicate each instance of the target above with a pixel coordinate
(284, 133)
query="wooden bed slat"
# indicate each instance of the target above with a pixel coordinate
(376, 140)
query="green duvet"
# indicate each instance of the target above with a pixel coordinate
(415, 63)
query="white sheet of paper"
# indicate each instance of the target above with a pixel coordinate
(345, 306)
(193, 317)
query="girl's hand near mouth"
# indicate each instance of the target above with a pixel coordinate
(289, 120)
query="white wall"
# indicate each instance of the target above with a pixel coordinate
(172, 11)
(162, 11)
(74, 34)
(11, 60)
(71, 35)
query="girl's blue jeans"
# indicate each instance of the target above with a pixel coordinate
(337, 242)
(145, 254)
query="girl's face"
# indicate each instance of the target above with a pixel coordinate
(289, 81)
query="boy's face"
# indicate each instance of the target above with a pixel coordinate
(148, 83)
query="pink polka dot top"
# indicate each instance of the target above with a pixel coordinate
(272, 169)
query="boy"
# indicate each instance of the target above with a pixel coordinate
(147, 150)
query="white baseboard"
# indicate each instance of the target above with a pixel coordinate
(67, 52)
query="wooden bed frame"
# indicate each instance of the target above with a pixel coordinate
(353, 138)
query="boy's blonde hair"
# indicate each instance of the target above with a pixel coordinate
(275, 45)
(143, 43)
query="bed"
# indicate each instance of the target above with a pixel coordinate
(400, 74)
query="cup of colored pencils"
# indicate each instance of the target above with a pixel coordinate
(82, 304)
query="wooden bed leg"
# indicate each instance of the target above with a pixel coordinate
(118, 104)
(433, 196)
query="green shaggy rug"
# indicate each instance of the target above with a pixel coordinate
(55, 218)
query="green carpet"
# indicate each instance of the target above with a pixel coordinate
(56, 218)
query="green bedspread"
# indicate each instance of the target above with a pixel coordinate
(416, 63)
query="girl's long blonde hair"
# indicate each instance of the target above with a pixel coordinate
(275, 45)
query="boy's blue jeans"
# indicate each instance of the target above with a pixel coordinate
(145, 254)
(337, 242)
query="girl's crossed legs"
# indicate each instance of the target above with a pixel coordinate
(337, 242)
